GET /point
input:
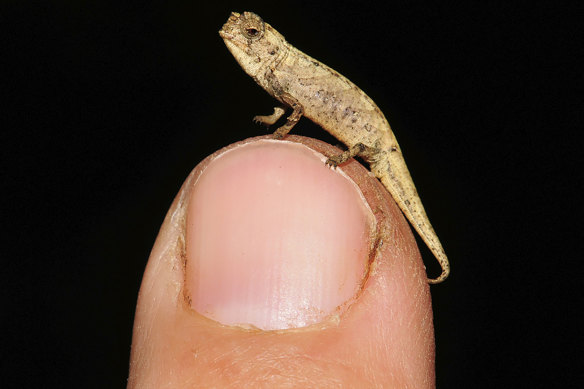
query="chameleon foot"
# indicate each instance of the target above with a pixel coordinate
(268, 120)
(336, 160)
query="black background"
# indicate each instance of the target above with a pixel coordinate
(109, 105)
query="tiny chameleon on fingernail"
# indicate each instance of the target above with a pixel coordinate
(312, 89)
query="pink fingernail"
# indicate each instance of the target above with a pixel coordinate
(275, 239)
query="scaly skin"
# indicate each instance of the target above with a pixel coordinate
(327, 98)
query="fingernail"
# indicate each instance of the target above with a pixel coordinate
(275, 239)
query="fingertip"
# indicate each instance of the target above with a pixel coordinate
(384, 333)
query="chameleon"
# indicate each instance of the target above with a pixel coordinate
(312, 89)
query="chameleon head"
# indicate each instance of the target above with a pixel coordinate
(253, 43)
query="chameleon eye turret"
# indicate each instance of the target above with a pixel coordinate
(252, 26)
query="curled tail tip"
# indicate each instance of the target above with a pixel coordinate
(441, 277)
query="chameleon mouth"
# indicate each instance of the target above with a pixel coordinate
(225, 35)
(229, 26)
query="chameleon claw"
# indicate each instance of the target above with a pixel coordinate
(268, 120)
(332, 162)
(338, 159)
(258, 120)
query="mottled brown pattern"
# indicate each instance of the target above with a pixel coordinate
(329, 99)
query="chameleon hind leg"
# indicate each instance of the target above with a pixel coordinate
(358, 149)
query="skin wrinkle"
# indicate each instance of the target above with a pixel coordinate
(242, 360)
(277, 370)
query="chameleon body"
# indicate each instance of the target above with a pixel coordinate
(318, 92)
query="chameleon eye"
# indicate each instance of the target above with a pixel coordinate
(251, 32)
(252, 26)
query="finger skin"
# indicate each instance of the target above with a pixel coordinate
(384, 339)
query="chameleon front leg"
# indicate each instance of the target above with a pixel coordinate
(268, 120)
(297, 112)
